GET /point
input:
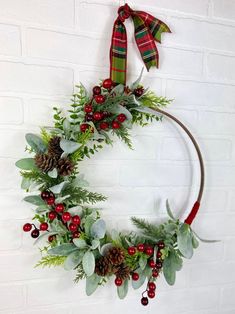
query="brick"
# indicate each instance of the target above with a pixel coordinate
(10, 178)
(11, 110)
(227, 297)
(11, 228)
(223, 176)
(224, 9)
(12, 136)
(12, 296)
(54, 13)
(10, 40)
(206, 253)
(198, 8)
(229, 251)
(200, 94)
(219, 67)
(213, 149)
(153, 174)
(19, 77)
(12, 200)
(208, 274)
(202, 37)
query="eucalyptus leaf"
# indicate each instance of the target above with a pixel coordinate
(56, 189)
(63, 249)
(66, 127)
(34, 199)
(73, 260)
(41, 209)
(184, 240)
(88, 263)
(53, 173)
(169, 212)
(69, 147)
(36, 143)
(26, 164)
(98, 229)
(123, 290)
(80, 243)
(92, 283)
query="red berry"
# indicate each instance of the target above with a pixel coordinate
(45, 195)
(51, 200)
(88, 108)
(155, 273)
(44, 226)
(131, 250)
(135, 276)
(27, 227)
(121, 117)
(115, 125)
(149, 250)
(96, 90)
(88, 117)
(51, 238)
(140, 247)
(159, 254)
(84, 127)
(152, 263)
(144, 301)
(106, 114)
(35, 233)
(76, 234)
(161, 245)
(118, 282)
(98, 116)
(73, 227)
(158, 265)
(151, 294)
(66, 216)
(76, 220)
(152, 286)
(52, 215)
(59, 208)
(100, 99)
(107, 84)
(104, 125)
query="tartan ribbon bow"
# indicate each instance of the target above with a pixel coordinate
(148, 29)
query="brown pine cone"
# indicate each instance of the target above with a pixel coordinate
(64, 166)
(54, 148)
(115, 255)
(102, 266)
(45, 162)
(122, 271)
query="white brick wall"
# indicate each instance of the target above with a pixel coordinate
(48, 46)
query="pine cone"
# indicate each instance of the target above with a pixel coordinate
(122, 271)
(138, 91)
(45, 162)
(64, 166)
(54, 148)
(116, 255)
(102, 266)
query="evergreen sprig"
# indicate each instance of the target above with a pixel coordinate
(51, 261)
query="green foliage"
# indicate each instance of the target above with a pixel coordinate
(80, 274)
(150, 99)
(51, 261)
(77, 195)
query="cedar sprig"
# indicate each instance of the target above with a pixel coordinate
(51, 261)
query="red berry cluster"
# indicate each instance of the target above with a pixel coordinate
(57, 211)
(102, 119)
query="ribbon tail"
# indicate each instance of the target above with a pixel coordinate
(145, 42)
(118, 53)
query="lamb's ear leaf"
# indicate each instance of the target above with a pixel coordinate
(92, 284)
(36, 143)
(169, 270)
(63, 249)
(184, 240)
(73, 260)
(123, 289)
(88, 263)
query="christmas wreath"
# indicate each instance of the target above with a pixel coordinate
(75, 234)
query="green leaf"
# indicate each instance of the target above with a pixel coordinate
(104, 249)
(26, 164)
(88, 263)
(34, 199)
(119, 89)
(142, 262)
(63, 249)
(184, 241)
(95, 244)
(69, 147)
(138, 283)
(169, 270)
(56, 189)
(92, 283)
(98, 229)
(36, 143)
(80, 243)
(26, 183)
(73, 260)
(123, 290)
(88, 223)
(169, 212)
(195, 242)
(53, 173)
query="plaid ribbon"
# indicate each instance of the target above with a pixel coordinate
(148, 29)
